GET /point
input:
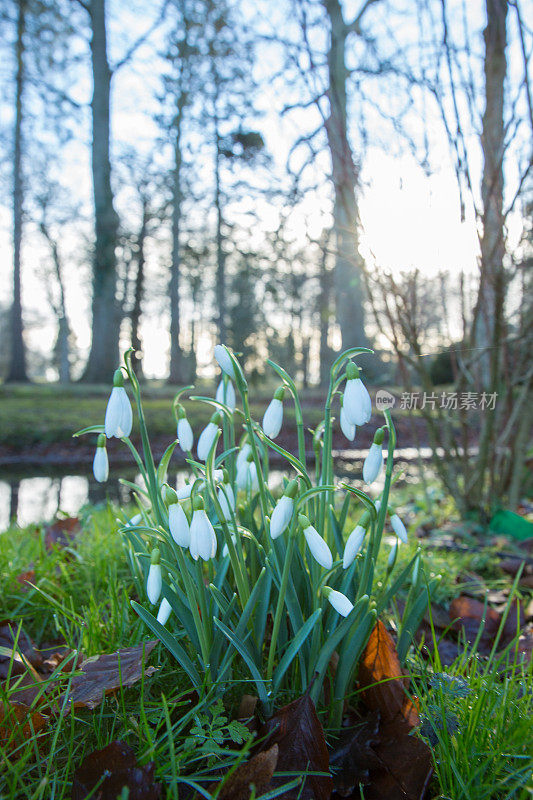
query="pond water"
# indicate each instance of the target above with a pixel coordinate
(31, 498)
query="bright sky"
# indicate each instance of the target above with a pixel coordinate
(409, 220)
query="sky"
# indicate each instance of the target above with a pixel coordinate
(409, 219)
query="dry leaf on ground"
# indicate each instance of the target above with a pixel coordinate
(118, 767)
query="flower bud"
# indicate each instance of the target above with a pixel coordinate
(224, 360)
(399, 528)
(101, 462)
(155, 581)
(207, 437)
(338, 600)
(353, 545)
(184, 431)
(226, 394)
(316, 544)
(273, 417)
(118, 415)
(374, 459)
(179, 525)
(165, 610)
(203, 542)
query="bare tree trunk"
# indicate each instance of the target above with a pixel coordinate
(221, 256)
(349, 288)
(324, 310)
(17, 367)
(490, 311)
(104, 354)
(176, 353)
(138, 292)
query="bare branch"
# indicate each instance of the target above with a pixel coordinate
(355, 25)
(142, 39)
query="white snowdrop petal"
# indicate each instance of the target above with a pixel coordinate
(273, 418)
(318, 547)
(281, 516)
(373, 463)
(126, 415)
(347, 427)
(184, 492)
(243, 476)
(357, 402)
(254, 480)
(340, 602)
(224, 361)
(165, 610)
(101, 465)
(203, 537)
(185, 435)
(399, 528)
(226, 395)
(353, 545)
(243, 454)
(112, 413)
(225, 549)
(179, 525)
(154, 583)
(205, 441)
(226, 500)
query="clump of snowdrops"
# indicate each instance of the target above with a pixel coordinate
(227, 572)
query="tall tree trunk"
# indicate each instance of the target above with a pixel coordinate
(138, 293)
(104, 354)
(176, 353)
(17, 367)
(349, 290)
(221, 256)
(324, 310)
(489, 315)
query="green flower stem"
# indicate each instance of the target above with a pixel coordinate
(255, 453)
(193, 602)
(281, 601)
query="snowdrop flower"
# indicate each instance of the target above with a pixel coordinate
(356, 402)
(184, 431)
(374, 459)
(136, 520)
(101, 463)
(392, 555)
(399, 528)
(246, 478)
(177, 520)
(282, 514)
(165, 610)
(207, 437)
(348, 428)
(224, 360)
(118, 415)
(416, 569)
(316, 544)
(226, 394)
(338, 600)
(273, 418)
(353, 545)
(155, 581)
(226, 498)
(377, 506)
(203, 537)
(184, 492)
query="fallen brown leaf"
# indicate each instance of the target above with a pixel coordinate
(382, 680)
(117, 765)
(102, 675)
(61, 532)
(258, 771)
(18, 722)
(353, 757)
(296, 729)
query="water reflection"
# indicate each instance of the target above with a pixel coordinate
(39, 498)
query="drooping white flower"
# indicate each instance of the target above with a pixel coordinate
(226, 498)
(118, 415)
(282, 514)
(273, 417)
(246, 478)
(184, 431)
(353, 545)
(101, 462)
(224, 360)
(399, 528)
(184, 492)
(203, 537)
(347, 427)
(207, 437)
(374, 459)
(154, 583)
(377, 505)
(356, 402)
(226, 394)
(254, 478)
(165, 610)
(179, 525)
(338, 600)
(316, 544)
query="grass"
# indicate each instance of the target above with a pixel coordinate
(477, 713)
